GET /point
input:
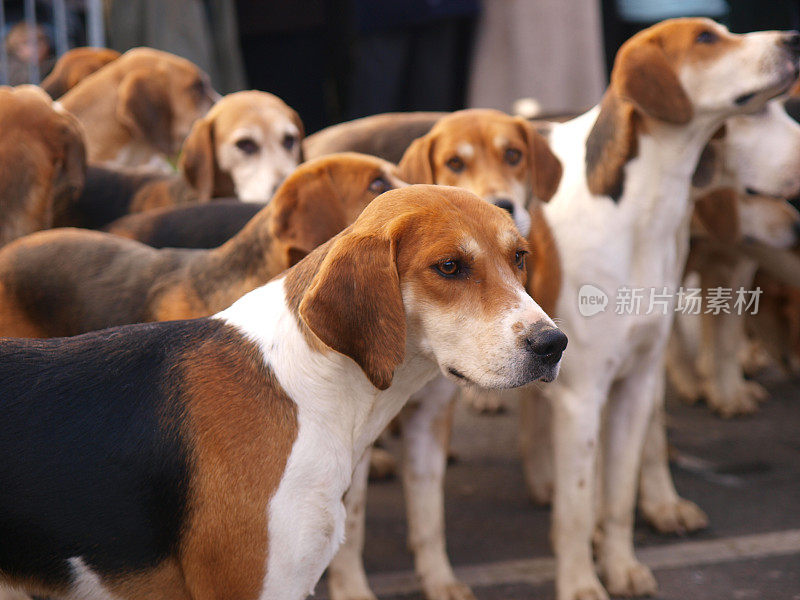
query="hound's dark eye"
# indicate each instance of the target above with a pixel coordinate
(247, 145)
(706, 37)
(519, 258)
(449, 268)
(288, 141)
(379, 185)
(512, 156)
(455, 164)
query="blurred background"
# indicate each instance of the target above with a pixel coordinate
(334, 60)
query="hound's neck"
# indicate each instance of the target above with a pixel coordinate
(656, 193)
(333, 396)
(248, 260)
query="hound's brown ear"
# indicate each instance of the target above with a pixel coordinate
(545, 167)
(74, 66)
(718, 212)
(416, 166)
(643, 76)
(306, 212)
(354, 305)
(198, 159)
(544, 266)
(143, 106)
(610, 145)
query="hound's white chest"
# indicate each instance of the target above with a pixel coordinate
(306, 515)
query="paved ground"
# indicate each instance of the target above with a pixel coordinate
(745, 473)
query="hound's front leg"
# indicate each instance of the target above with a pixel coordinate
(661, 505)
(347, 579)
(576, 422)
(536, 444)
(426, 424)
(630, 406)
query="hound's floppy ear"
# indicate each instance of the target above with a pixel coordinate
(643, 76)
(545, 167)
(198, 161)
(143, 107)
(306, 212)
(416, 166)
(354, 305)
(610, 145)
(718, 212)
(544, 266)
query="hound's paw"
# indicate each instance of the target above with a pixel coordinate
(686, 384)
(742, 400)
(630, 579)
(540, 488)
(589, 589)
(382, 465)
(453, 590)
(678, 517)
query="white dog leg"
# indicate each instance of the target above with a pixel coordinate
(347, 579)
(426, 436)
(660, 503)
(630, 407)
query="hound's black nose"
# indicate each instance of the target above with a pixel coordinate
(505, 205)
(548, 344)
(791, 40)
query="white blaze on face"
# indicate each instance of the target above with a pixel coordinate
(259, 157)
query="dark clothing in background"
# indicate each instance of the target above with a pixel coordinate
(286, 47)
(203, 31)
(340, 59)
(411, 55)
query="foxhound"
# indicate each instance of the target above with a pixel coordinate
(208, 458)
(621, 222)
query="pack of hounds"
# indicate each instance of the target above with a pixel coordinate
(207, 319)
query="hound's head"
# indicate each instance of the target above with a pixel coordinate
(498, 157)
(434, 271)
(684, 73)
(325, 195)
(762, 149)
(245, 146)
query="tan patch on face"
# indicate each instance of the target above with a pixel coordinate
(242, 426)
(470, 137)
(437, 235)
